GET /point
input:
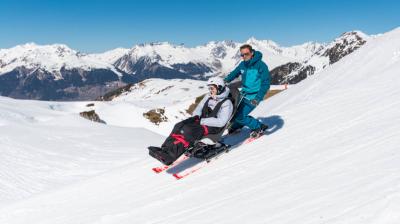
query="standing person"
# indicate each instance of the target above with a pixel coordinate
(210, 117)
(255, 85)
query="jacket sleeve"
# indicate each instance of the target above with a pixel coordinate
(222, 118)
(233, 75)
(265, 82)
(199, 107)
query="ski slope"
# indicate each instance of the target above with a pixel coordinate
(331, 156)
(47, 145)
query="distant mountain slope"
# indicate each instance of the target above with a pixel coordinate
(294, 72)
(57, 72)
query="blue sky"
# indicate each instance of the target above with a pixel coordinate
(99, 25)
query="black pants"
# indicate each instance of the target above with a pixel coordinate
(183, 135)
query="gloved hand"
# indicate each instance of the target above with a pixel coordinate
(254, 102)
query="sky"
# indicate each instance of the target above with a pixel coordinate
(92, 26)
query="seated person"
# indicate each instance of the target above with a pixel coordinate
(209, 117)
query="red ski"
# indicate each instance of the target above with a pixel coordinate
(203, 163)
(187, 172)
(160, 169)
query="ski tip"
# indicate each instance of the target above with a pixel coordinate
(177, 176)
(156, 170)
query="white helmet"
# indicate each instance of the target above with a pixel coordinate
(219, 82)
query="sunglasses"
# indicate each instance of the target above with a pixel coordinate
(245, 54)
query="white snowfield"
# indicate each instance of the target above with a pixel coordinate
(44, 145)
(331, 156)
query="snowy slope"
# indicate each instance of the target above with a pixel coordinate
(46, 145)
(174, 96)
(331, 156)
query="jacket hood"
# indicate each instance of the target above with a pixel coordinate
(257, 56)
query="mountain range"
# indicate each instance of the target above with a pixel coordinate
(57, 72)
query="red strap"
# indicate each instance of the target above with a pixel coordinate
(180, 139)
(205, 129)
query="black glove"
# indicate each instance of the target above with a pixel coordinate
(254, 102)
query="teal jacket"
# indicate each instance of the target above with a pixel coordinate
(255, 77)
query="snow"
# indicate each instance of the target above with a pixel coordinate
(275, 55)
(50, 58)
(174, 96)
(350, 38)
(330, 156)
(224, 51)
(53, 58)
(41, 148)
(110, 56)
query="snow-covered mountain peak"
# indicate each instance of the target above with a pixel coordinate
(110, 56)
(322, 56)
(223, 43)
(33, 49)
(351, 38)
(344, 45)
(266, 44)
(51, 58)
(310, 46)
(54, 72)
(353, 34)
(254, 41)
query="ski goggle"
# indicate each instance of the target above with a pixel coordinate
(245, 54)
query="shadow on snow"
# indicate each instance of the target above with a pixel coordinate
(274, 122)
